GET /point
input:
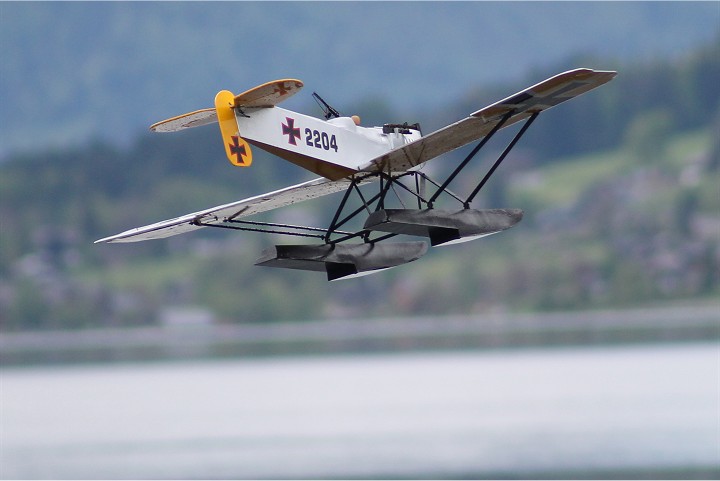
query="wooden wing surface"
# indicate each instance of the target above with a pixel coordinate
(234, 210)
(537, 98)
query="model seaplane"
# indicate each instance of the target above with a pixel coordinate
(346, 156)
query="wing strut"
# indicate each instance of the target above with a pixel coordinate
(269, 228)
(334, 225)
(507, 150)
(466, 203)
(467, 159)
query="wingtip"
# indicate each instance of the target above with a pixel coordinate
(609, 74)
(112, 238)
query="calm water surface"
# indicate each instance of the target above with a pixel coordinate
(431, 414)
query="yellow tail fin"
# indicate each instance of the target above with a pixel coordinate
(236, 148)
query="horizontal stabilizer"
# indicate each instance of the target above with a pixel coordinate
(186, 121)
(266, 95)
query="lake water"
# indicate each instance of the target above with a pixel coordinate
(499, 414)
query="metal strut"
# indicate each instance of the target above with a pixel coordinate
(386, 182)
(507, 150)
(384, 189)
(467, 159)
(273, 228)
(425, 177)
(333, 223)
(337, 222)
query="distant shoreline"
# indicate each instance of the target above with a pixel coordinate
(481, 331)
(680, 472)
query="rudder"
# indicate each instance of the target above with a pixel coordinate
(236, 148)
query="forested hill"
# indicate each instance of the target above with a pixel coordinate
(653, 192)
(73, 70)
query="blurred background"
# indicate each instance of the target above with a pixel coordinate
(581, 343)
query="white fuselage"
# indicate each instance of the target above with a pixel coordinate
(337, 141)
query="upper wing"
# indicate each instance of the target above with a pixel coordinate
(223, 213)
(537, 98)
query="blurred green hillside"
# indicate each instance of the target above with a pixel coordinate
(620, 190)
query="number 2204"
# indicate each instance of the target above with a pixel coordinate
(320, 140)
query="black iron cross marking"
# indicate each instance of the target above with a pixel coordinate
(281, 90)
(528, 101)
(290, 130)
(237, 149)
